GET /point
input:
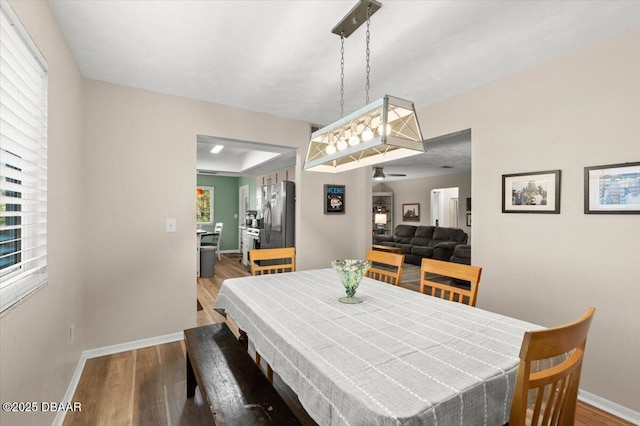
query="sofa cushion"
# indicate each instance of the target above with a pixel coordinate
(423, 235)
(378, 238)
(425, 231)
(444, 250)
(450, 234)
(388, 243)
(406, 248)
(404, 233)
(420, 241)
(462, 254)
(422, 251)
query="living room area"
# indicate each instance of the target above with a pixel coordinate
(421, 205)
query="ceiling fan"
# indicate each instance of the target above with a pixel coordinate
(378, 174)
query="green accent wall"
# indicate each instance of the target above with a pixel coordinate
(225, 206)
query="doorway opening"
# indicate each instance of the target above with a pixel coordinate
(444, 207)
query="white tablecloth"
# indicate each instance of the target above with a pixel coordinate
(400, 357)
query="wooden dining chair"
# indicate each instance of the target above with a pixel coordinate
(272, 261)
(546, 392)
(452, 270)
(385, 267)
(286, 262)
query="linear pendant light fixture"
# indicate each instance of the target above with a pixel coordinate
(383, 130)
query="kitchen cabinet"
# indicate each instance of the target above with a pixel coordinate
(277, 177)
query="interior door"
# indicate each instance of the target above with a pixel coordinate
(435, 207)
(453, 212)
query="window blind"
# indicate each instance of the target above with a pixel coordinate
(23, 162)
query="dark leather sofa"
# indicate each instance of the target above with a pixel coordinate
(417, 242)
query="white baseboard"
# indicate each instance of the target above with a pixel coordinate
(108, 350)
(610, 407)
(129, 346)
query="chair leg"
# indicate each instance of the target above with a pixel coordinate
(269, 370)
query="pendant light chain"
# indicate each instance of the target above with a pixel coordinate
(368, 53)
(342, 74)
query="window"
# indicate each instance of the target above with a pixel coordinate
(23, 162)
(204, 200)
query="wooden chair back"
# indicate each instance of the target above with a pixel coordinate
(385, 267)
(452, 270)
(546, 392)
(277, 260)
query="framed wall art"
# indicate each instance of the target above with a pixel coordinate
(468, 219)
(204, 204)
(334, 199)
(533, 192)
(411, 212)
(612, 189)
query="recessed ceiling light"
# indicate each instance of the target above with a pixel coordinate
(216, 149)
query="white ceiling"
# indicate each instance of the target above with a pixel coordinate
(280, 57)
(242, 158)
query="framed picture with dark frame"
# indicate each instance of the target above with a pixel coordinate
(612, 189)
(533, 192)
(468, 219)
(334, 198)
(411, 212)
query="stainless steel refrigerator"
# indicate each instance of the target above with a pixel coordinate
(278, 215)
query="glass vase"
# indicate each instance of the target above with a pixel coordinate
(351, 272)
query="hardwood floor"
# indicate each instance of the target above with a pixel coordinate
(148, 386)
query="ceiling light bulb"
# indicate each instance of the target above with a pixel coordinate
(342, 144)
(388, 130)
(216, 149)
(331, 149)
(354, 139)
(367, 135)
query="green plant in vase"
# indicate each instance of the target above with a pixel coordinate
(351, 272)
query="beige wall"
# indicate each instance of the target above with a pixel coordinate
(36, 359)
(141, 169)
(322, 238)
(579, 110)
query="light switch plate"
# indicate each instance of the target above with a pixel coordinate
(171, 224)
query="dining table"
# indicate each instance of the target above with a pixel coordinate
(398, 358)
